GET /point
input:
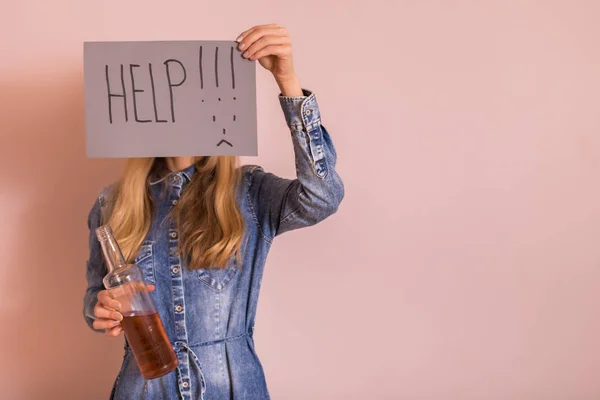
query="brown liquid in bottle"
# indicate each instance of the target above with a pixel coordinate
(149, 343)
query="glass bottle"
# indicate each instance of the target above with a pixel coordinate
(141, 323)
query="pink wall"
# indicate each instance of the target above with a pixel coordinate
(465, 261)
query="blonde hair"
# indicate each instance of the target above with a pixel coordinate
(210, 224)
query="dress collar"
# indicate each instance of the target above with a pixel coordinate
(185, 174)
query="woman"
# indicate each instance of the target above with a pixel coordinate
(201, 228)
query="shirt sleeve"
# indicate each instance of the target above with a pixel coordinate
(281, 205)
(96, 267)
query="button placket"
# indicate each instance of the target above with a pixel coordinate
(178, 298)
(176, 267)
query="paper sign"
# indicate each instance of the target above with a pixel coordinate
(166, 99)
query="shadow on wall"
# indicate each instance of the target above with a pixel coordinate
(48, 187)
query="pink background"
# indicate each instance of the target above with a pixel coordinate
(465, 260)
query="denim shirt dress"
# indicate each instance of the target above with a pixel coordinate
(209, 314)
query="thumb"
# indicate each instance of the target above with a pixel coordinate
(151, 288)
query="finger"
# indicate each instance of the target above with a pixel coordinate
(101, 312)
(244, 34)
(266, 41)
(276, 50)
(116, 331)
(103, 323)
(106, 301)
(261, 31)
(151, 288)
(258, 33)
(248, 31)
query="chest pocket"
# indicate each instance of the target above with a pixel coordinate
(219, 279)
(145, 260)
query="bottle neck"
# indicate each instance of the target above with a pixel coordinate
(110, 248)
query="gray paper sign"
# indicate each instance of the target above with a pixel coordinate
(167, 99)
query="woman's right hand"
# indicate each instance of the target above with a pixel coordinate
(107, 313)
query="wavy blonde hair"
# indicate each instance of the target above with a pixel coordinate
(208, 218)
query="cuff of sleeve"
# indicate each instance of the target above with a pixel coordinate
(88, 310)
(301, 112)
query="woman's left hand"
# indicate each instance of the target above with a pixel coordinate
(272, 47)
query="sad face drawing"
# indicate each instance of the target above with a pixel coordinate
(227, 115)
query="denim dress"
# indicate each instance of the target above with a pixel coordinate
(209, 314)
